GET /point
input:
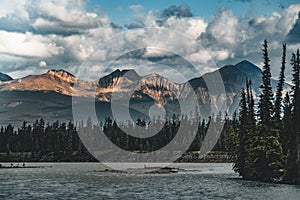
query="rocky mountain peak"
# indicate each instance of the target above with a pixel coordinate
(62, 74)
(156, 80)
(247, 66)
(112, 79)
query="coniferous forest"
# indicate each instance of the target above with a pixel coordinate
(262, 138)
(62, 141)
(268, 137)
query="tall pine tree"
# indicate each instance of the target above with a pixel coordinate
(241, 152)
(264, 157)
(266, 96)
(286, 123)
(247, 130)
(278, 100)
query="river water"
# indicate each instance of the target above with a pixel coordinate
(87, 181)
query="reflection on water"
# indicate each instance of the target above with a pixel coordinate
(85, 180)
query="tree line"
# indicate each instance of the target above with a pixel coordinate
(65, 138)
(40, 139)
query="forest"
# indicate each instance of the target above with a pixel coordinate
(43, 139)
(262, 138)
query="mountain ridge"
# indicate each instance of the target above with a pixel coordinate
(149, 90)
(65, 78)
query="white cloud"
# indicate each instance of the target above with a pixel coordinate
(13, 7)
(42, 63)
(64, 17)
(192, 27)
(279, 23)
(221, 55)
(222, 29)
(28, 44)
(154, 52)
(61, 32)
(230, 40)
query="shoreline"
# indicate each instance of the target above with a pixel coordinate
(188, 157)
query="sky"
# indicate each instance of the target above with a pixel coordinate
(174, 38)
(121, 13)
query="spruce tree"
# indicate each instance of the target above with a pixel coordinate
(266, 96)
(251, 109)
(265, 159)
(279, 90)
(241, 151)
(286, 123)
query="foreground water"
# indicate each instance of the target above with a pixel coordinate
(86, 181)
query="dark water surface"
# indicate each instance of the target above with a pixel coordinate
(86, 181)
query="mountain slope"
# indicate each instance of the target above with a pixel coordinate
(234, 79)
(59, 81)
(4, 77)
(128, 82)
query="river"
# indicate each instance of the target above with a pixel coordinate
(87, 181)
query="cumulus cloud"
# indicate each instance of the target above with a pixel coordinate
(275, 29)
(13, 16)
(13, 7)
(192, 27)
(62, 33)
(222, 29)
(230, 40)
(278, 24)
(28, 44)
(63, 17)
(42, 63)
(38, 34)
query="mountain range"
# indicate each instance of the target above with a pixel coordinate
(49, 95)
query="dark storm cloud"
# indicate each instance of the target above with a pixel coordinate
(134, 25)
(115, 26)
(181, 11)
(177, 11)
(14, 24)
